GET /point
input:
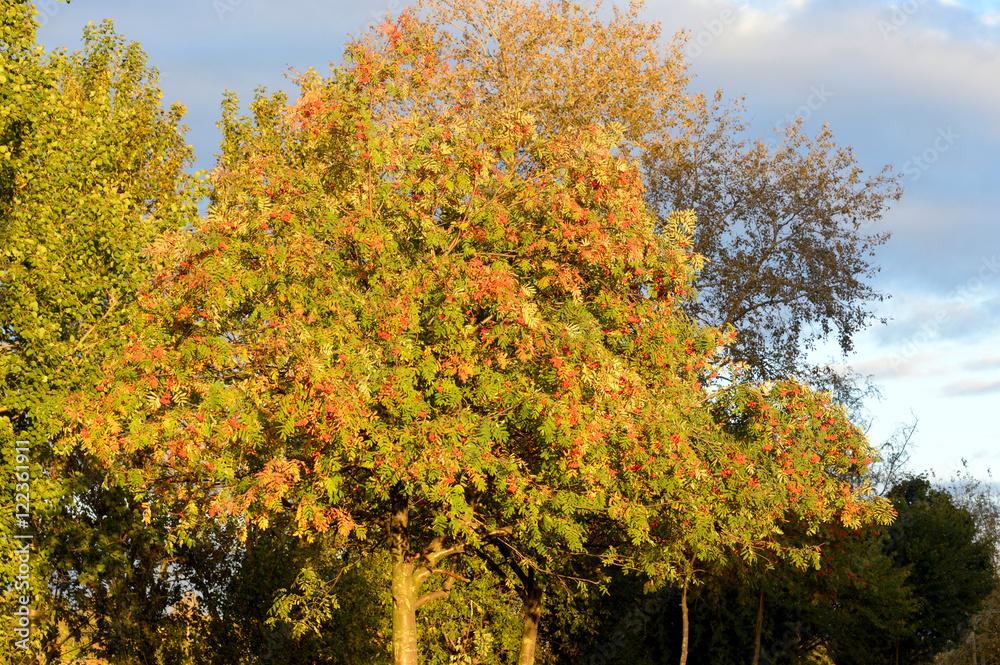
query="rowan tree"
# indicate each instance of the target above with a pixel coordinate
(468, 290)
(405, 319)
(980, 644)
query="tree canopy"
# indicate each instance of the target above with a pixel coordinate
(404, 318)
(430, 318)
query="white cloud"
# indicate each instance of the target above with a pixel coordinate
(970, 387)
(888, 368)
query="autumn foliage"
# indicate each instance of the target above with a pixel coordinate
(406, 317)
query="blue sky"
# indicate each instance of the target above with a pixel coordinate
(913, 83)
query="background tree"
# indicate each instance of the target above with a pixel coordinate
(951, 566)
(290, 601)
(552, 60)
(784, 226)
(980, 645)
(784, 232)
(980, 499)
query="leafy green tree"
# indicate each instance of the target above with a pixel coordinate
(91, 169)
(856, 595)
(950, 564)
(286, 600)
(979, 498)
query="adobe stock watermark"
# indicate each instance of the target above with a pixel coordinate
(917, 165)
(791, 636)
(988, 269)
(47, 9)
(633, 622)
(223, 7)
(818, 97)
(22, 544)
(899, 17)
(711, 29)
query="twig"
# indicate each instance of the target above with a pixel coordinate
(112, 303)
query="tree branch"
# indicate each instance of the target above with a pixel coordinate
(435, 595)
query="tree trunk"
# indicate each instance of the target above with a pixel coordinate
(532, 617)
(408, 575)
(404, 591)
(684, 624)
(760, 624)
